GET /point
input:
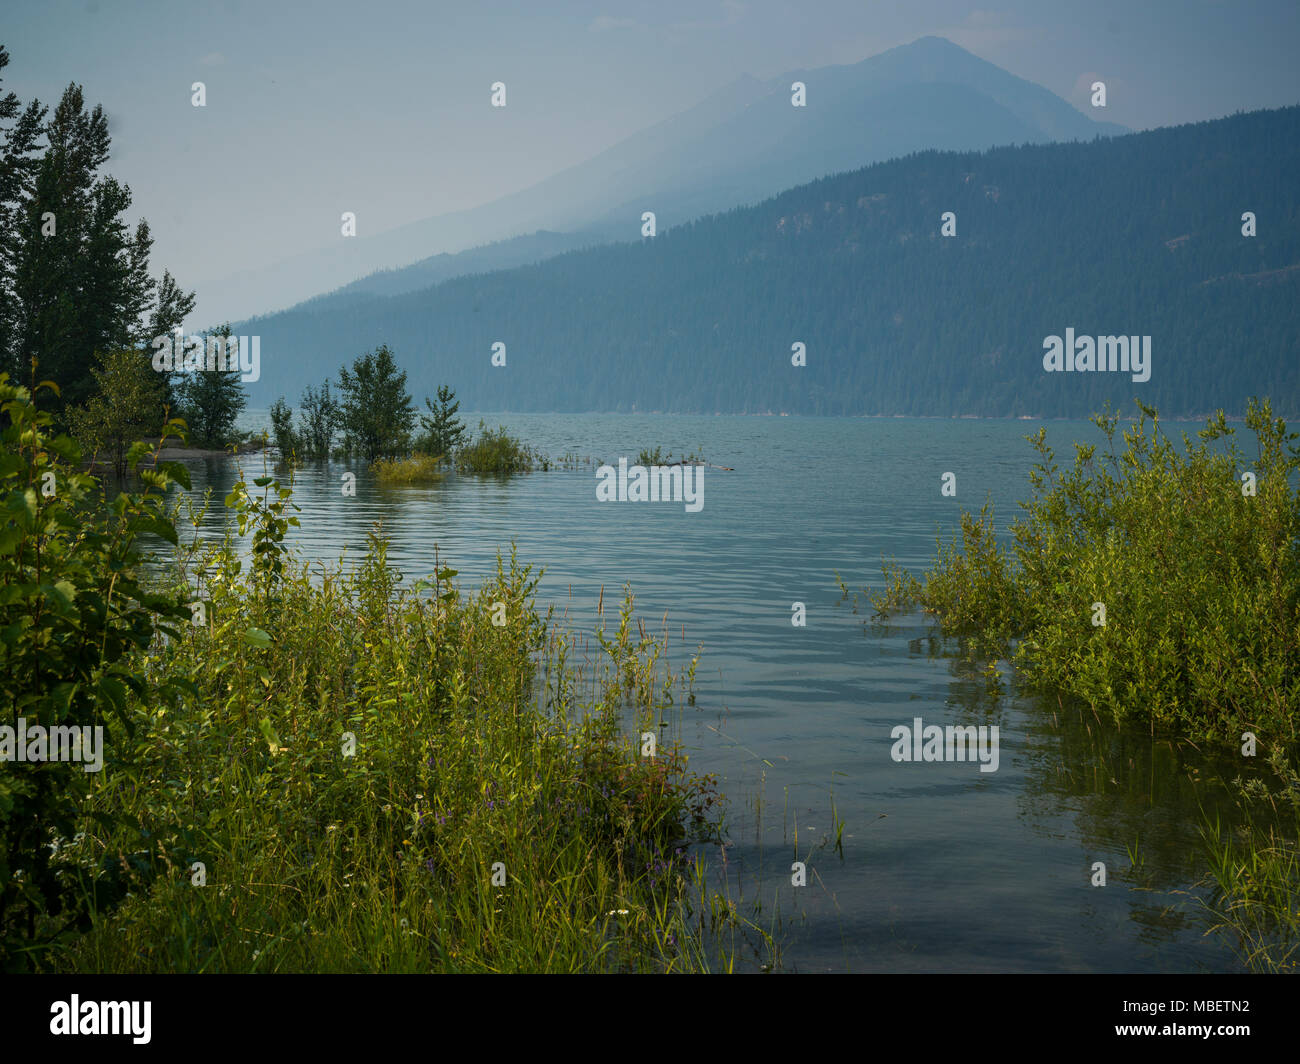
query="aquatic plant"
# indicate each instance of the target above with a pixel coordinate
(496, 451)
(417, 469)
(1154, 583)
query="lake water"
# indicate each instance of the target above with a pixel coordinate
(944, 867)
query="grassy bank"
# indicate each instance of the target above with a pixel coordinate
(370, 786)
(324, 770)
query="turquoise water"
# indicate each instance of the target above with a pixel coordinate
(944, 867)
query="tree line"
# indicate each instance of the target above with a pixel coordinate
(79, 306)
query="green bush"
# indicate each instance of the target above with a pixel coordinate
(287, 441)
(496, 451)
(1200, 581)
(75, 614)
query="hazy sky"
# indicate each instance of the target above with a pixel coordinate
(383, 107)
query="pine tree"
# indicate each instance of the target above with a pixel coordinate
(74, 279)
(17, 182)
(443, 432)
(170, 309)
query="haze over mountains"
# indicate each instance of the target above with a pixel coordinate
(739, 146)
(1137, 235)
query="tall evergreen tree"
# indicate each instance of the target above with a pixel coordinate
(64, 297)
(170, 309)
(74, 279)
(20, 130)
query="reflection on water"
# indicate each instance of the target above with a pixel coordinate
(942, 867)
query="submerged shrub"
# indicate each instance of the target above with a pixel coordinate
(1255, 871)
(1157, 583)
(496, 451)
(658, 457)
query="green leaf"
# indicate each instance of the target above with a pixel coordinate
(114, 693)
(255, 637)
(268, 732)
(62, 592)
(137, 451)
(178, 471)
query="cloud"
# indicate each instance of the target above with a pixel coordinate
(212, 59)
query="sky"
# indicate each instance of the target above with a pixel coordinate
(384, 107)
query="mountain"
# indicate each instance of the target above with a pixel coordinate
(499, 255)
(737, 147)
(1139, 235)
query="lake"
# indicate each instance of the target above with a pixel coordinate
(943, 867)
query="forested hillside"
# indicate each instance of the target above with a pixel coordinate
(734, 148)
(1135, 235)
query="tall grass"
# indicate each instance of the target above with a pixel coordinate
(1255, 872)
(415, 469)
(373, 777)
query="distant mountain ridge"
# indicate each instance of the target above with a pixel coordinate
(1139, 235)
(737, 147)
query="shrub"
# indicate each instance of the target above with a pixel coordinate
(127, 407)
(75, 615)
(1200, 581)
(657, 457)
(496, 451)
(288, 442)
(319, 421)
